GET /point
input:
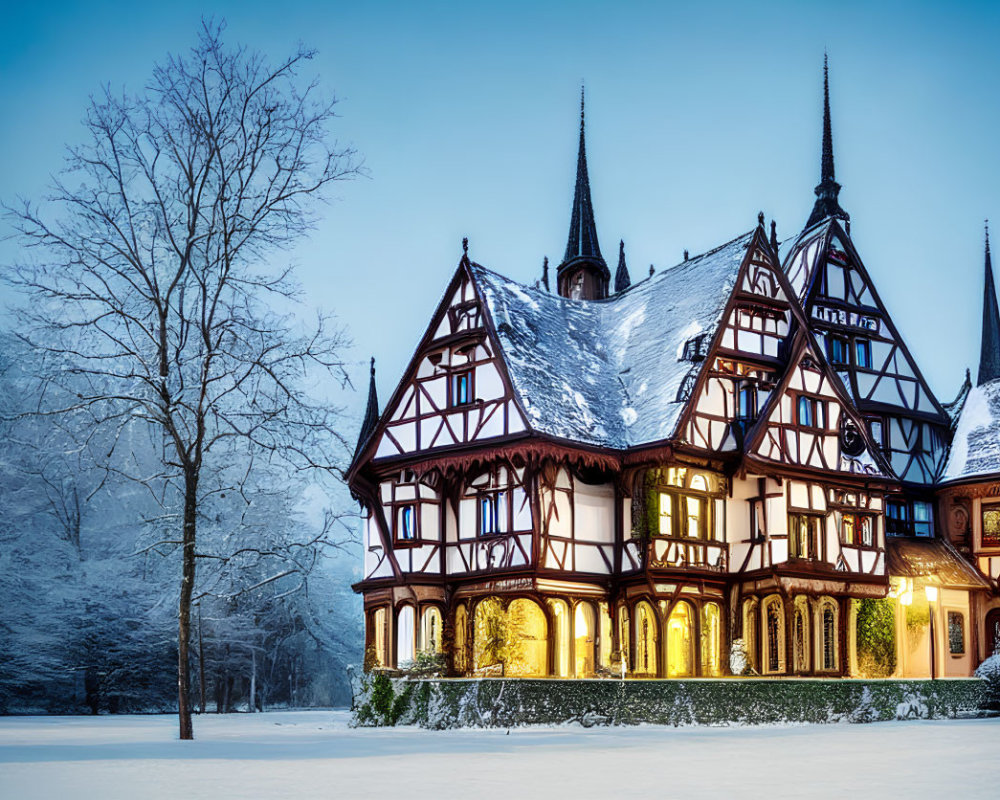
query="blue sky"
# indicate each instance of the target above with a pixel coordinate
(698, 116)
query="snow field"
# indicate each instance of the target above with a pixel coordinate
(314, 754)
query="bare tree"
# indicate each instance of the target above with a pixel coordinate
(147, 269)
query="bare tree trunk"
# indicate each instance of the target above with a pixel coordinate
(184, 607)
(201, 664)
(253, 681)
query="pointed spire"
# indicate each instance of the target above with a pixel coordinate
(622, 279)
(774, 237)
(582, 245)
(545, 273)
(828, 190)
(371, 413)
(989, 353)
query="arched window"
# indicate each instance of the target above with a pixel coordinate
(528, 646)
(828, 632)
(750, 639)
(680, 627)
(774, 633)
(645, 639)
(800, 635)
(405, 636)
(461, 658)
(489, 643)
(625, 638)
(711, 640)
(430, 630)
(560, 637)
(379, 620)
(585, 633)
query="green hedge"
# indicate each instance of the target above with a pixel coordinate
(505, 703)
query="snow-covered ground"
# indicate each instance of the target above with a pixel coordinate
(313, 754)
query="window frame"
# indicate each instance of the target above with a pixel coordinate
(844, 346)
(861, 345)
(994, 540)
(679, 515)
(398, 510)
(950, 614)
(501, 527)
(817, 412)
(815, 537)
(858, 519)
(748, 389)
(453, 378)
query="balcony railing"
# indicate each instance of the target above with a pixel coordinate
(668, 552)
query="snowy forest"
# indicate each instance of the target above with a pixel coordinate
(170, 440)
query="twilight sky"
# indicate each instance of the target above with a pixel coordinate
(697, 117)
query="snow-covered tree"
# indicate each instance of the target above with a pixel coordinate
(146, 272)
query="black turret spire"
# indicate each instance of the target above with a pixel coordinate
(622, 279)
(989, 353)
(371, 412)
(583, 253)
(828, 190)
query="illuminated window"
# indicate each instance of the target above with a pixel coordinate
(694, 517)
(750, 639)
(774, 626)
(863, 353)
(829, 623)
(858, 529)
(800, 645)
(461, 388)
(804, 539)
(836, 347)
(711, 640)
(991, 526)
(666, 514)
(956, 633)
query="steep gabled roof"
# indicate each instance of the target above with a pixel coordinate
(975, 447)
(608, 373)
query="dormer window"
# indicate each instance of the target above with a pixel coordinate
(460, 388)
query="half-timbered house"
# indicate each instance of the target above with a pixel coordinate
(729, 466)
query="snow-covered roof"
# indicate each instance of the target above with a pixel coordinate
(975, 448)
(608, 372)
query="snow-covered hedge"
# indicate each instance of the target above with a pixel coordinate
(989, 671)
(506, 703)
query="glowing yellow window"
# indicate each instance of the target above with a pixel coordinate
(666, 514)
(693, 517)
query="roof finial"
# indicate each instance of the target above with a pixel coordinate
(828, 189)
(774, 237)
(622, 279)
(465, 245)
(760, 218)
(651, 270)
(545, 273)
(371, 413)
(582, 118)
(989, 352)
(686, 255)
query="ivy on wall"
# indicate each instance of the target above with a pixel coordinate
(876, 637)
